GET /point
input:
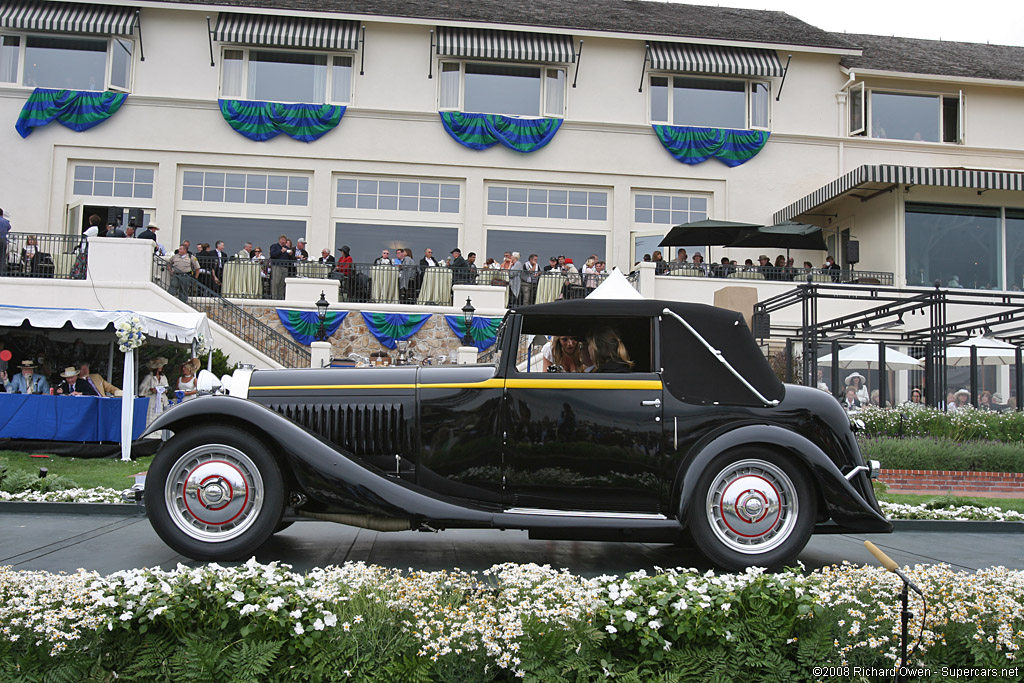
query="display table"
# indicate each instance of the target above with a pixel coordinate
(437, 286)
(312, 269)
(549, 287)
(242, 279)
(66, 418)
(384, 284)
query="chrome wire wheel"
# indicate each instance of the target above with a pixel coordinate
(213, 493)
(752, 506)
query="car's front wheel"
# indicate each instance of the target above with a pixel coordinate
(752, 508)
(214, 493)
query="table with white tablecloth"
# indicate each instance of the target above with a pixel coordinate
(549, 287)
(436, 287)
(384, 284)
(243, 279)
(312, 269)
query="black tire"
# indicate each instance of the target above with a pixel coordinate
(238, 505)
(771, 515)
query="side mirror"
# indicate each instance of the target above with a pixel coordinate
(207, 382)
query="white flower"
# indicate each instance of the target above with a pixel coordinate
(298, 628)
(238, 596)
(630, 616)
(652, 611)
(318, 625)
(726, 606)
(611, 629)
(295, 614)
(654, 624)
(330, 619)
(248, 609)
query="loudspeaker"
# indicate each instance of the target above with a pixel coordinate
(761, 324)
(135, 217)
(115, 214)
(852, 252)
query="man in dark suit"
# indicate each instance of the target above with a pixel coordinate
(217, 261)
(460, 269)
(300, 250)
(149, 233)
(281, 264)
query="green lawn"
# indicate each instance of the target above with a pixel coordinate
(916, 499)
(87, 473)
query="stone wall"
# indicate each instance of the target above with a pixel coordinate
(433, 340)
(990, 484)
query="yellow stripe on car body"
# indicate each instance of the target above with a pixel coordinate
(487, 384)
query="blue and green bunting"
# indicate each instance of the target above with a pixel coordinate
(262, 121)
(693, 145)
(303, 325)
(480, 131)
(389, 328)
(78, 110)
(485, 330)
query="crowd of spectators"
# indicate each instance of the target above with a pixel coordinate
(856, 396)
(782, 269)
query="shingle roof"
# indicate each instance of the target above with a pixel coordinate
(936, 57)
(623, 16)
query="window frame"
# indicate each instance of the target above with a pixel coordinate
(544, 67)
(213, 207)
(108, 67)
(867, 109)
(329, 95)
(748, 98)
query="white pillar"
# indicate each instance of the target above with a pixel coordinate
(466, 355)
(645, 285)
(320, 354)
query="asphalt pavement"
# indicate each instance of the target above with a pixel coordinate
(108, 543)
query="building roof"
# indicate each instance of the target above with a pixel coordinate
(620, 16)
(936, 57)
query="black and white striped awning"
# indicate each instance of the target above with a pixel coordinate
(715, 59)
(864, 176)
(505, 45)
(264, 29)
(68, 17)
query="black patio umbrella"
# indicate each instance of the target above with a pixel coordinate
(707, 232)
(786, 235)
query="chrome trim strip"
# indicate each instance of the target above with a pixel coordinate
(718, 354)
(580, 513)
(859, 468)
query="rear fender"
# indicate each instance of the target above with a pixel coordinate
(843, 502)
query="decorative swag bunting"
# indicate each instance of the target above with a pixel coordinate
(389, 328)
(262, 121)
(303, 325)
(692, 145)
(485, 330)
(75, 109)
(480, 131)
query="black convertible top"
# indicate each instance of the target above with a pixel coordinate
(690, 370)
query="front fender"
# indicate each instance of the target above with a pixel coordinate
(844, 504)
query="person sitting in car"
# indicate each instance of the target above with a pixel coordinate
(608, 352)
(564, 354)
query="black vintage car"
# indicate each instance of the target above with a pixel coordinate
(685, 436)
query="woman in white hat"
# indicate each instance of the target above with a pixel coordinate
(961, 400)
(154, 387)
(857, 381)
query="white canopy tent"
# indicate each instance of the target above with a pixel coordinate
(615, 286)
(866, 356)
(990, 352)
(180, 328)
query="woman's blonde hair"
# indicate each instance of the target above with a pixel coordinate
(606, 345)
(560, 357)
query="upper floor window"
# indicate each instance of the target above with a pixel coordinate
(245, 188)
(395, 195)
(499, 88)
(711, 102)
(278, 76)
(925, 117)
(66, 62)
(668, 209)
(113, 181)
(540, 202)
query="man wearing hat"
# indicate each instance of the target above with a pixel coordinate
(149, 233)
(28, 382)
(460, 269)
(70, 385)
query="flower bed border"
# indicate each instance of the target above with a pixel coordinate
(941, 481)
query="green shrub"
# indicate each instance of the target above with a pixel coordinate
(961, 425)
(944, 454)
(16, 481)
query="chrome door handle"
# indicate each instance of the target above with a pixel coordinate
(656, 403)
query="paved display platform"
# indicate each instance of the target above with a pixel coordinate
(104, 543)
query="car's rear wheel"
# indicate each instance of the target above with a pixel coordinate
(752, 508)
(214, 493)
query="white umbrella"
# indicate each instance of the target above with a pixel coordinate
(866, 356)
(990, 352)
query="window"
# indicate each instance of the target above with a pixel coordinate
(539, 202)
(113, 181)
(499, 88)
(713, 102)
(366, 241)
(276, 76)
(245, 188)
(71, 62)
(577, 246)
(1015, 250)
(235, 232)
(923, 117)
(395, 195)
(665, 209)
(958, 245)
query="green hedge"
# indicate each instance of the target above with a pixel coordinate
(944, 454)
(961, 425)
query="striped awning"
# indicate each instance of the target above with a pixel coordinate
(715, 59)
(872, 176)
(264, 29)
(68, 17)
(515, 46)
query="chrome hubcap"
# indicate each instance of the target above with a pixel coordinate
(214, 493)
(752, 506)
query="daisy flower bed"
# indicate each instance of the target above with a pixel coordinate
(263, 622)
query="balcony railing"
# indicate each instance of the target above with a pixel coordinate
(64, 257)
(777, 274)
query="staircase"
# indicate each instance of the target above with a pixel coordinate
(241, 323)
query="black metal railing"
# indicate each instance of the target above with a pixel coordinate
(63, 257)
(247, 327)
(777, 273)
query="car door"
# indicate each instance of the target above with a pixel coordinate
(582, 441)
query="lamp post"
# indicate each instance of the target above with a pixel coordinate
(467, 317)
(321, 314)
